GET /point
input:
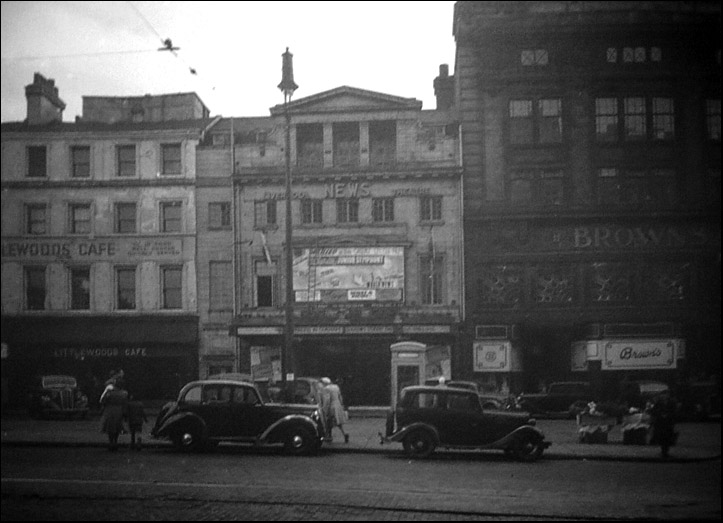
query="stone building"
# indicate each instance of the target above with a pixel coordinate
(99, 241)
(591, 139)
(377, 238)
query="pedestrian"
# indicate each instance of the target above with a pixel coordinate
(324, 399)
(662, 413)
(336, 408)
(114, 402)
(136, 418)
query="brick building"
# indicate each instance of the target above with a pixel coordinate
(591, 139)
(99, 241)
(377, 240)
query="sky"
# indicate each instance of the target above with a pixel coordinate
(235, 48)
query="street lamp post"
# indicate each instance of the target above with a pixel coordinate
(288, 87)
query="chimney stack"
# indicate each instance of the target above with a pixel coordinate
(444, 89)
(44, 104)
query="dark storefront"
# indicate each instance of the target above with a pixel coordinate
(157, 354)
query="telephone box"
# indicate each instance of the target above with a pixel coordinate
(413, 363)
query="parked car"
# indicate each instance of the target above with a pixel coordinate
(428, 417)
(489, 400)
(57, 396)
(208, 412)
(564, 399)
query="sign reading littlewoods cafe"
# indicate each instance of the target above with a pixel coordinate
(628, 354)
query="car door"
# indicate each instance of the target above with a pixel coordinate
(246, 413)
(462, 422)
(215, 409)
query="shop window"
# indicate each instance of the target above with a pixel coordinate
(431, 278)
(554, 285)
(347, 210)
(501, 285)
(80, 288)
(171, 158)
(220, 286)
(35, 288)
(171, 216)
(219, 215)
(125, 288)
(265, 213)
(172, 291)
(35, 218)
(383, 210)
(430, 208)
(311, 211)
(79, 218)
(126, 160)
(310, 145)
(346, 144)
(125, 218)
(80, 159)
(37, 161)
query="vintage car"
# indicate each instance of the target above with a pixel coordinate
(563, 399)
(208, 412)
(429, 417)
(57, 396)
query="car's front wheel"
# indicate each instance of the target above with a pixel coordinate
(419, 444)
(527, 449)
(300, 441)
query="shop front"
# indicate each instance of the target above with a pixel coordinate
(157, 354)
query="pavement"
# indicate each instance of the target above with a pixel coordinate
(696, 441)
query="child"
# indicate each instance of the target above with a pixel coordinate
(136, 417)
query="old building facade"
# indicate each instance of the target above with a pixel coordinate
(591, 139)
(377, 245)
(99, 241)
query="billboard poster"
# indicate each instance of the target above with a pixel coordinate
(349, 274)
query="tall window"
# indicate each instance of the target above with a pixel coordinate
(642, 119)
(80, 158)
(383, 209)
(311, 211)
(712, 119)
(171, 158)
(35, 288)
(265, 274)
(171, 216)
(220, 286)
(346, 144)
(126, 160)
(125, 288)
(382, 143)
(265, 213)
(430, 273)
(35, 218)
(37, 161)
(347, 210)
(79, 218)
(125, 218)
(537, 121)
(310, 145)
(80, 288)
(172, 291)
(219, 215)
(431, 208)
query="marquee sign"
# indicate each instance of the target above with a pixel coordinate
(640, 354)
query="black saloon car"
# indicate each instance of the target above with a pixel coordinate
(430, 417)
(208, 412)
(57, 396)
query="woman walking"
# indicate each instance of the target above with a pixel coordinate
(336, 408)
(114, 402)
